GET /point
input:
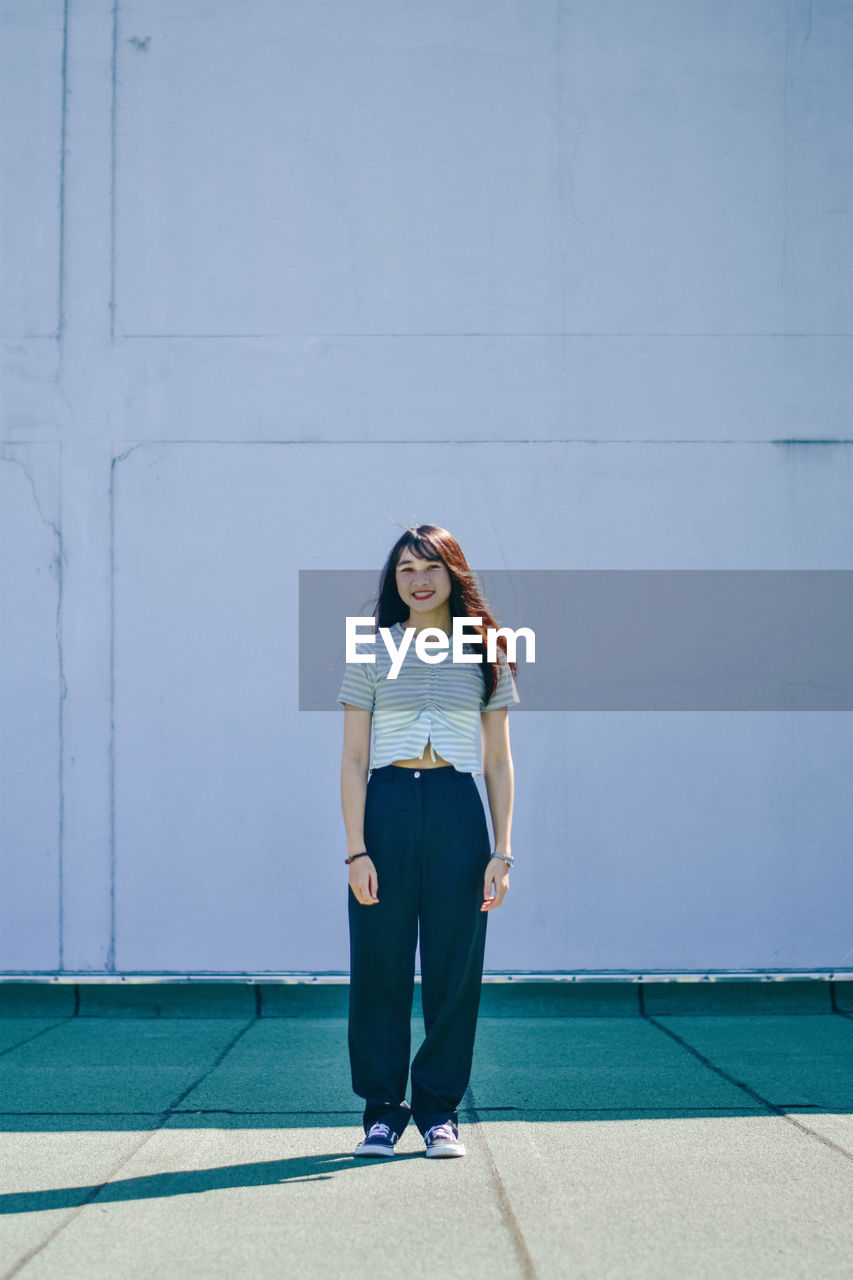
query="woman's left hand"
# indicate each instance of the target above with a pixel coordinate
(497, 874)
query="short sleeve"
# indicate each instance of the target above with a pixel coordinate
(357, 685)
(506, 694)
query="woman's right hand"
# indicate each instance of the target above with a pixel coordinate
(363, 880)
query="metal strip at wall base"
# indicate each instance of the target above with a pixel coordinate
(580, 975)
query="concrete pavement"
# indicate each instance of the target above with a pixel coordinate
(633, 1145)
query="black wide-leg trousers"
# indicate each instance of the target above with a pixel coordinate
(426, 831)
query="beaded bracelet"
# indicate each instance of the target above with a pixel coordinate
(363, 854)
(503, 857)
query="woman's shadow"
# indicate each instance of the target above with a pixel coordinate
(186, 1182)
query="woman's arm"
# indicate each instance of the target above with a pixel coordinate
(354, 767)
(500, 787)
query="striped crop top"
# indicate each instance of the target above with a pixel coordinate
(437, 701)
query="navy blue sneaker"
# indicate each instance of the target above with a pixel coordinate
(443, 1140)
(380, 1141)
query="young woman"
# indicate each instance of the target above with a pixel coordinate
(418, 844)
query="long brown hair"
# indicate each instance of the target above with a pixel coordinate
(431, 542)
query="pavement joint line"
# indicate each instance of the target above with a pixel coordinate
(773, 1107)
(525, 1261)
(94, 1192)
(26, 1040)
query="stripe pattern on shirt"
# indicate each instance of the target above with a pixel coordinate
(440, 702)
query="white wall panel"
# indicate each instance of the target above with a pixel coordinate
(644, 840)
(338, 168)
(31, 98)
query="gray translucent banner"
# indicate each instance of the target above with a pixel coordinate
(631, 639)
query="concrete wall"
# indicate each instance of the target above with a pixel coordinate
(569, 277)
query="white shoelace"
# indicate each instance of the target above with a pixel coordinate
(440, 1131)
(381, 1130)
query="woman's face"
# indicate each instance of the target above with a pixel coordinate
(424, 585)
